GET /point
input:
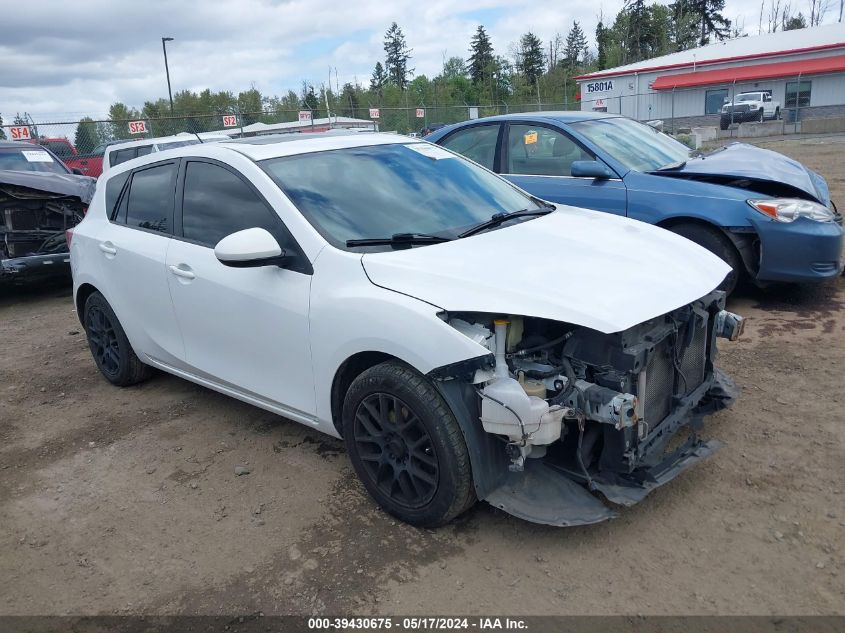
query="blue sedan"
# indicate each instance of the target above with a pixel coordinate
(769, 217)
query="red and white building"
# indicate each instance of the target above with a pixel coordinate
(804, 69)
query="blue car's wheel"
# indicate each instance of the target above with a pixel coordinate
(714, 241)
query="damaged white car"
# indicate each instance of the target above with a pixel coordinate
(467, 340)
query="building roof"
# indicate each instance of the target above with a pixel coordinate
(819, 38)
(812, 66)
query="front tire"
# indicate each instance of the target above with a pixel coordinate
(714, 241)
(761, 116)
(406, 446)
(109, 346)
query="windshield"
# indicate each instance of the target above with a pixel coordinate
(637, 146)
(383, 190)
(35, 159)
(748, 97)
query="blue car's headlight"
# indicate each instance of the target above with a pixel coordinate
(790, 209)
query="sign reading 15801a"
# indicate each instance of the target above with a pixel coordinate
(599, 86)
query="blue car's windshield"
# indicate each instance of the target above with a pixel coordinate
(635, 145)
(381, 190)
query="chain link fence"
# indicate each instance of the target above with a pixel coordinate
(89, 137)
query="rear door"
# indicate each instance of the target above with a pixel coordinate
(477, 142)
(245, 327)
(133, 253)
(538, 158)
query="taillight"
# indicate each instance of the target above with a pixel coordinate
(68, 237)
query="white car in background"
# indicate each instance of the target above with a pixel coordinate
(467, 340)
(118, 153)
(749, 106)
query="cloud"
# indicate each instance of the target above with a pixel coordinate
(63, 60)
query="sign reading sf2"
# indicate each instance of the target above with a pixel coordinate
(599, 86)
(230, 120)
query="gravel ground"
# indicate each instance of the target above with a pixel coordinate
(121, 501)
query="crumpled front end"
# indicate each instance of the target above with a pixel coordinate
(589, 421)
(33, 231)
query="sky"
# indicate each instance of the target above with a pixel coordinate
(62, 60)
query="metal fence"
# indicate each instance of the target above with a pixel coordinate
(672, 106)
(84, 137)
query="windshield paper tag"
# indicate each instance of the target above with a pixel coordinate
(37, 156)
(430, 151)
(531, 138)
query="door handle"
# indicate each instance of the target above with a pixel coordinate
(185, 273)
(108, 248)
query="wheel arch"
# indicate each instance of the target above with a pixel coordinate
(84, 291)
(743, 242)
(348, 371)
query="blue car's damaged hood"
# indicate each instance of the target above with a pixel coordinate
(753, 163)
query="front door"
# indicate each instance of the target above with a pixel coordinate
(538, 159)
(243, 327)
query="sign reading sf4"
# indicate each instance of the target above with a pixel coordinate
(599, 86)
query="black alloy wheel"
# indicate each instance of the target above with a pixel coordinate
(103, 342)
(112, 352)
(396, 450)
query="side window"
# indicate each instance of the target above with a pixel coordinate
(113, 188)
(150, 200)
(541, 151)
(144, 150)
(477, 143)
(121, 156)
(217, 203)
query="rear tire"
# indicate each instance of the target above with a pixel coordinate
(761, 116)
(777, 114)
(714, 241)
(112, 352)
(406, 446)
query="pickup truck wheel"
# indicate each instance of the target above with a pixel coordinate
(406, 445)
(109, 346)
(777, 114)
(761, 115)
(713, 240)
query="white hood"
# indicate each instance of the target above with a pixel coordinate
(582, 267)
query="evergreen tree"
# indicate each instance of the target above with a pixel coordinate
(378, 80)
(349, 103)
(87, 135)
(529, 59)
(794, 22)
(310, 100)
(397, 54)
(602, 37)
(702, 20)
(576, 46)
(482, 58)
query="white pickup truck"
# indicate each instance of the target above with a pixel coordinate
(749, 106)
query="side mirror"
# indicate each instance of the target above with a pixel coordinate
(590, 169)
(251, 248)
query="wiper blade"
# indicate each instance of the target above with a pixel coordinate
(500, 218)
(399, 239)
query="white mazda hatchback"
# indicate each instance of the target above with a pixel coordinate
(467, 340)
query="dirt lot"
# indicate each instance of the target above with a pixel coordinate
(126, 501)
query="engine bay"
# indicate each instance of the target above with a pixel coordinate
(597, 406)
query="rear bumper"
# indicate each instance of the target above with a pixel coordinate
(24, 269)
(800, 251)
